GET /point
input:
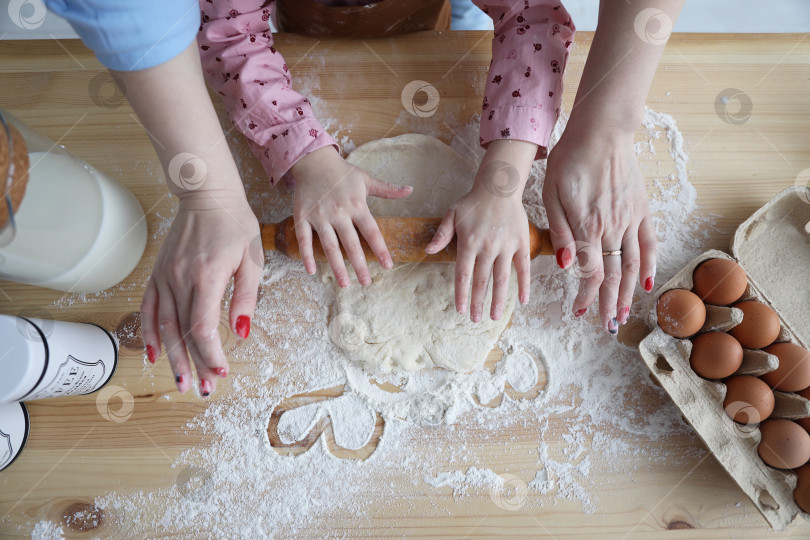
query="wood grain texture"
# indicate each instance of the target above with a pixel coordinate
(59, 89)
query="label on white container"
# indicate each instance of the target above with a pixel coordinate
(74, 377)
(80, 359)
(14, 428)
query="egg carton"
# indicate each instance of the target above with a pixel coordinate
(773, 246)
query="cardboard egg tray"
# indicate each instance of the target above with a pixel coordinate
(773, 247)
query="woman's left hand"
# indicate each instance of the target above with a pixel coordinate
(596, 201)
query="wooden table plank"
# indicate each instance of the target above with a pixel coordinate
(735, 169)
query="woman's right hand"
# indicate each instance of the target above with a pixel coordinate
(211, 239)
(330, 200)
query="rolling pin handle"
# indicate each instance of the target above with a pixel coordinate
(268, 231)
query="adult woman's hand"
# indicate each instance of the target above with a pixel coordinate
(210, 241)
(596, 202)
(330, 200)
(594, 191)
(215, 234)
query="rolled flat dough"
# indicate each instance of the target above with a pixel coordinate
(406, 319)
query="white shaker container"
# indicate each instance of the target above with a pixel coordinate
(41, 358)
(14, 428)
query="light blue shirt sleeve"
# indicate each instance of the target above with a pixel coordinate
(129, 35)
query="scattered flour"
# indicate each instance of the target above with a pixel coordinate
(47, 530)
(438, 429)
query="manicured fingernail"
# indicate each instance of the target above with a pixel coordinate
(221, 372)
(310, 270)
(563, 258)
(613, 326)
(624, 314)
(150, 353)
(180, 380)
(205, 388)
(580, 312)
(243, 326)
(648, 284)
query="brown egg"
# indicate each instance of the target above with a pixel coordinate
(793, 373)
(804, 422)
(680, 313)
(759, 327)
(748, 399)
(719, 281)
(785, 444)
(802, 492)
(715, 355)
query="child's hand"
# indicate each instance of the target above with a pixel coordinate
(596, 201)
(492, 230)
(330, 199)
(212, 238)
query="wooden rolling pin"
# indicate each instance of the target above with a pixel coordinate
(406, 238)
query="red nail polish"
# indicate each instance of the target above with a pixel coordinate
(563, 257)
(580, 312)
(150, 353)
(178, 378)
(243, 326)
(648, 285)
(221, 372)
(205, 388)
(624, 314)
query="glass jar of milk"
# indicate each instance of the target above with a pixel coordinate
(75, 229)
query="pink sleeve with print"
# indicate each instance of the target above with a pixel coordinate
(240, 63)
(529, 53)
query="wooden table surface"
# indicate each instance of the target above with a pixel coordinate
(53, 86)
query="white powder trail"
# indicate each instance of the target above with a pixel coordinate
(604, 407)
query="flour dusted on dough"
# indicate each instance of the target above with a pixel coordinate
(439, 175)
(406, 319)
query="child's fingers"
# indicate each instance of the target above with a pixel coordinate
(303, 233)
(384, 190)
(523, 268)
(464, 268)
(368, 227)
(500, 285)
(331, 248)
(481, 274)
(444, 234)
(351, 243)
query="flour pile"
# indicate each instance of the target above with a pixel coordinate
(583, 417)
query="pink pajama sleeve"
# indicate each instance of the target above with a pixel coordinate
(529, 52)
(241, 65)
